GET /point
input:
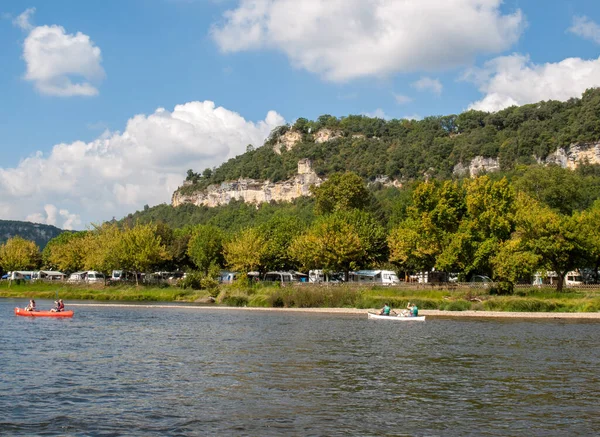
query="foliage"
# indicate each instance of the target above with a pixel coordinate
(428, 148)
(332, 244)
(140, 248)
(278, 234)
(66, 252)
(551, 236)
(205, 247)
(341, 192)
(19, 254)
(245, 252)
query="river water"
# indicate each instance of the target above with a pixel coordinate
(194, 372)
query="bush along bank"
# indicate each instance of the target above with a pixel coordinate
(314, 296)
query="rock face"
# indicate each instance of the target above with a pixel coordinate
(253, 191)
(478, 165)
(570, 158)
(287, 141)
(575, 154)
(324, 135)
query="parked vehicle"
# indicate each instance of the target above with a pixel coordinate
(94, 277)
(89, 276)
(283, 277)
(318, 276)
(572, 278)
(381, 277)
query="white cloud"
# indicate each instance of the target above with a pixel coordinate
(68, 221)
(428, 84)
(401, 99)
(586, 28)
(23, 21)
(378, 113)
(58, 63)
(515, 80)
(120, 172)
(346, 39)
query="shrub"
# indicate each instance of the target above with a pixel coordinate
(502, 288)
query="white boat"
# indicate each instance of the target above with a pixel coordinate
(398, 318)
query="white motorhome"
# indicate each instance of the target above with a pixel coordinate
(89, 276)
(378, 277)
(572, 278)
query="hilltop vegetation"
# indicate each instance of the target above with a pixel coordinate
(38, 233)
(412, 150)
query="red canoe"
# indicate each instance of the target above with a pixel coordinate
(22, 312)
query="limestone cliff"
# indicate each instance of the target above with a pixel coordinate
(253, 191)
(570, 158)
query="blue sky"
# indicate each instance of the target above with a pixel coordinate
(83, 138)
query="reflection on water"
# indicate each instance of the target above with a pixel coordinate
(178, 371)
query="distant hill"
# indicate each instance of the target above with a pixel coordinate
(400, 151)
(39, 233)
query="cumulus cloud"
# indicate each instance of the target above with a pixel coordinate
(515, 80)
(23, 21)
(58, 63)
(120, 172)
(428, 84)
(346, 39)
(586, 28)
(50, 217)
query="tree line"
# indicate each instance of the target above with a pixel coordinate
(540, 218)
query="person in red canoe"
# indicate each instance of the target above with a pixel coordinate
(30, 306)
(60, 306)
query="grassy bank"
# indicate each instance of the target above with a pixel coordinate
(313, 296)
(100, 292)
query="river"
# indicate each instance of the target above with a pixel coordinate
(195, 372)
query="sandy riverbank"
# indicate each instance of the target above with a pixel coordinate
(428, 313)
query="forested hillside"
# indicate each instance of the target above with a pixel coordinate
(409, 149)
(38, 233)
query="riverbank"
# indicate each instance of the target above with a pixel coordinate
(435, 302)
(428, 313)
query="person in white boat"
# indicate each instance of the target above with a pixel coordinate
(387, 311)
(413, 310)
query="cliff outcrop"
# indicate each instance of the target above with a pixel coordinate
(570, 158)
(253, 191)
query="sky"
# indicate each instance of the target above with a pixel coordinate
(105, 105)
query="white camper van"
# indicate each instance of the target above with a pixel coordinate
(377, 277)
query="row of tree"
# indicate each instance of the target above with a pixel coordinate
(475, 226)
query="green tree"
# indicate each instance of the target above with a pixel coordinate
(331, 244)
(514, 261)
(245, 252)
(66, 252)
(553, 237)
(140, 248)
(205, 247)
(588, 223)
(342, 191)
(19, 254)
(100, 247)
(278, 233)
